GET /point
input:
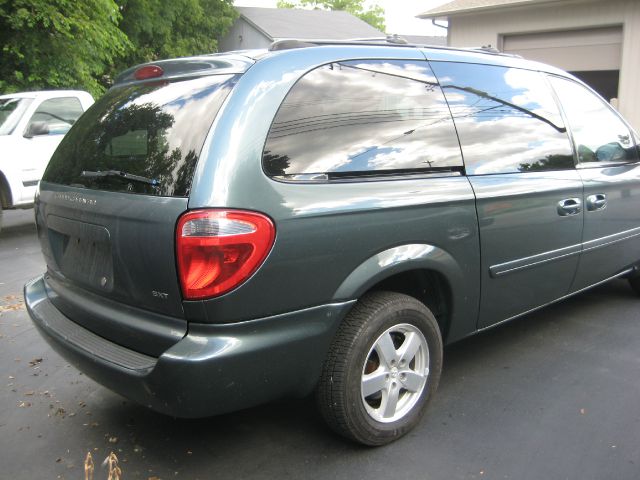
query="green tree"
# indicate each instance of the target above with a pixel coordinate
(550, 162)
(160, 29)
(83, 43)
(58, 43)
(374, 16)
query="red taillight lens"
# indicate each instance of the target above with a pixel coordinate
(217, 250)
(148, 71)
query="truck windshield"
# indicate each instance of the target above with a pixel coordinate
(11, 110)
(152, 131)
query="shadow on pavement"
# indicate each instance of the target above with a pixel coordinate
(16, 223)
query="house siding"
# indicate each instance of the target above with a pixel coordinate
(241, 36)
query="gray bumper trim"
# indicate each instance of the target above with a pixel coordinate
(55, 323)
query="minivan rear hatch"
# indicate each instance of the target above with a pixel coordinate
(110, 199)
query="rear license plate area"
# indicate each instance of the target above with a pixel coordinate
(82, 252)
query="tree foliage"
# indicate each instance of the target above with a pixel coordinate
(83, 43)
(58, 43)
(161, 29)
(374, 16)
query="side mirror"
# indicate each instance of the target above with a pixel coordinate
(36, 129)
(611, 152)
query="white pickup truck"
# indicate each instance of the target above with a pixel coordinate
(32, 125)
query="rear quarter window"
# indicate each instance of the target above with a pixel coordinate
(141, 138)
(362, 118)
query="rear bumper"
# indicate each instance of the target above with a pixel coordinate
(214, 369)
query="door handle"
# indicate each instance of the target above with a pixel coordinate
(569, 206)
(596, 202)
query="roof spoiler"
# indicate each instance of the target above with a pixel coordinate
(190, 67)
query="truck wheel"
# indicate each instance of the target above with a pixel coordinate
(382, 369)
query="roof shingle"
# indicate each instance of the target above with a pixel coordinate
(466, 6)
(280, 23)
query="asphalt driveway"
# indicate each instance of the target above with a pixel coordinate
(553, 395)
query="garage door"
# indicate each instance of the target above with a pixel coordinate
(571, 50)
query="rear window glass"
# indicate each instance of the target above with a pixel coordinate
(143, 138)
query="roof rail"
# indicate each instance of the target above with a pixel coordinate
(389, 40)
(289, 43)
(491, 50)
(395, 39)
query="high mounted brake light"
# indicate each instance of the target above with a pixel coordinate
(217, 250)
(148, 71)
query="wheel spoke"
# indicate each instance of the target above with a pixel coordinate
(390, 402)
(412, 381)
(399, 377)
(409, 347)
(386, 349)
(374, 382)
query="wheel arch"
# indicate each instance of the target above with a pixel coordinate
(5, 192)
(425, 272)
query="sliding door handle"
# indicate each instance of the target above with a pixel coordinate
(569, 206)
(596, 202)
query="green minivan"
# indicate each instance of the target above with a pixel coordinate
(225, 230)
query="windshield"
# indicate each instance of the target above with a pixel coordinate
(11, 110)
(152, 131)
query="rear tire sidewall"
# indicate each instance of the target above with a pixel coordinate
(367, 429)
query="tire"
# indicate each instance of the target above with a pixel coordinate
(365, 370)
(1, 215)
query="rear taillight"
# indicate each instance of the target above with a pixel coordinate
(217, 250)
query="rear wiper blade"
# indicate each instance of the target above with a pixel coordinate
(121, 174)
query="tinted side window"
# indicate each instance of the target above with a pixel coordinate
(58, 114)
(362, 117)
(507, 119)
(599, 134)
